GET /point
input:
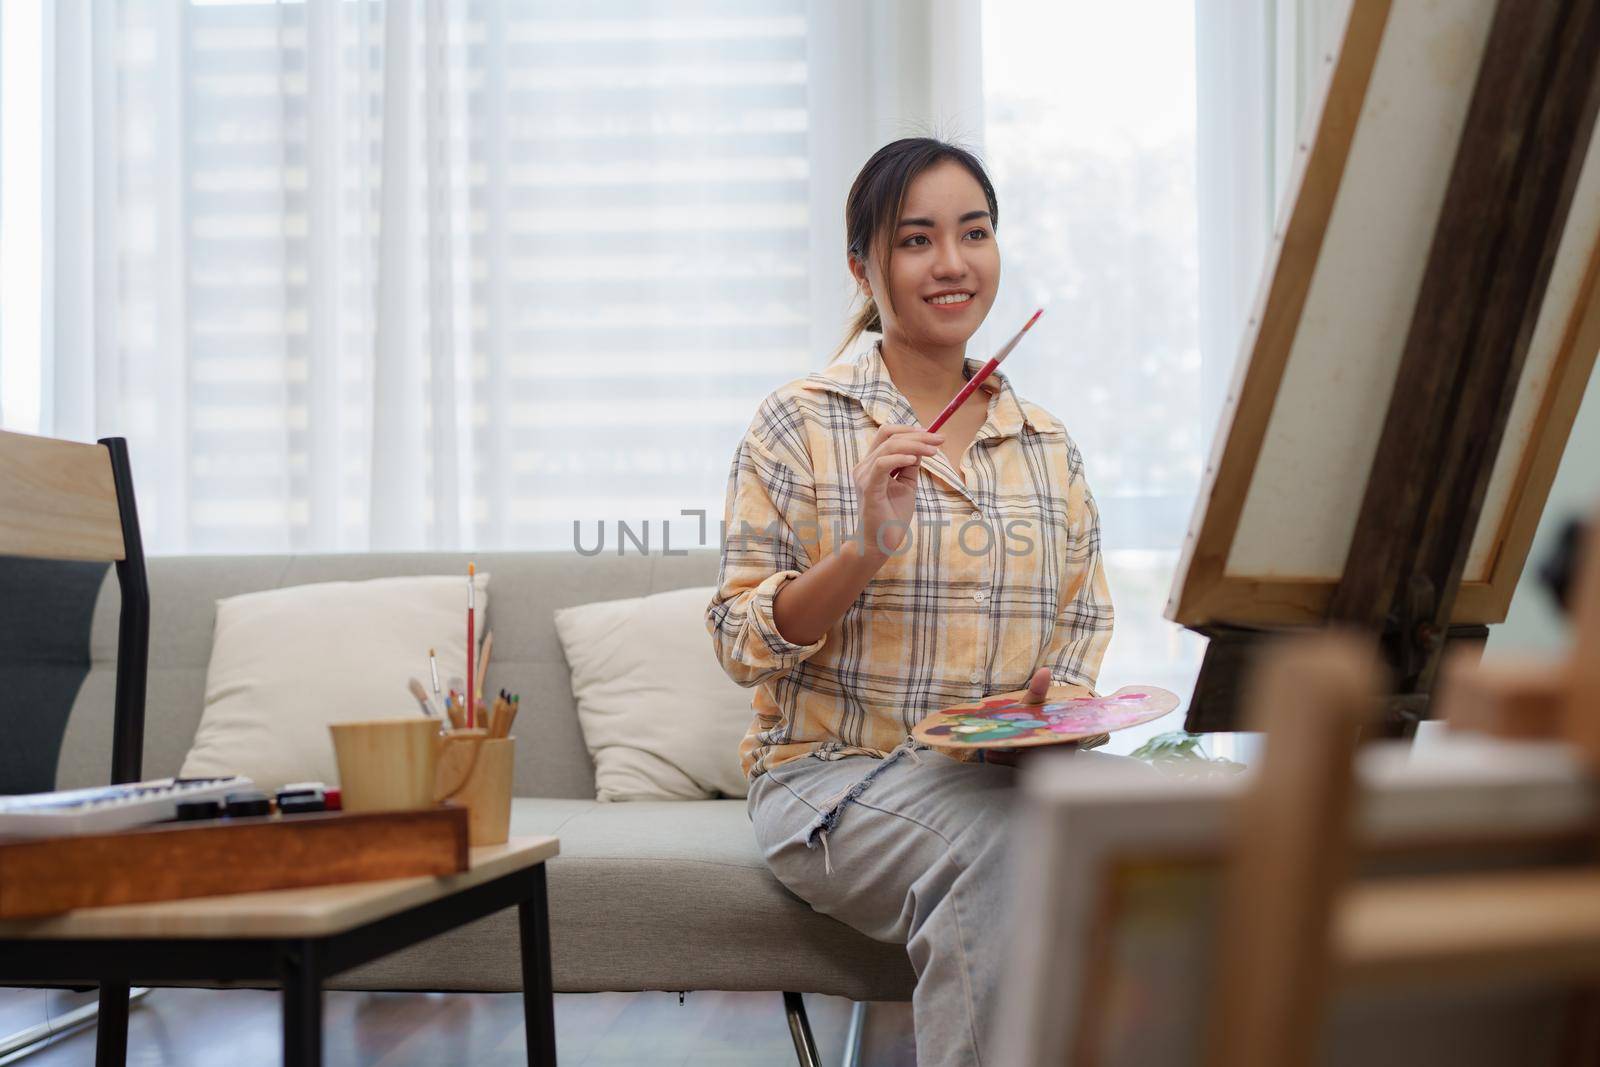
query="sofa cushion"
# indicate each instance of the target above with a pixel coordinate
(656, 895)
(662, 720)
(287, 662)
(529, 586)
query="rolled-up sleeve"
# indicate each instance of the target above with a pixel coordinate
(769, 505)
(1083, 628)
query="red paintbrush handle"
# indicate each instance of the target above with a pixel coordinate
(975, 381)
(961, 397)
(950, 408)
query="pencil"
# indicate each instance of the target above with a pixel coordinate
(483, 664)
(433, 669)
(472, 644)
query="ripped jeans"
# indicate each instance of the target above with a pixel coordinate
(910, 849)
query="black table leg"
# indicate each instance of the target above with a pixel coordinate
(111, 1036)
(301, 973)
(538, 1001)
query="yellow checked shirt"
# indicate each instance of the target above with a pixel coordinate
(999, 574)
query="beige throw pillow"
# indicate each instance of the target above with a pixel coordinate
(661, 719)
(287, 662)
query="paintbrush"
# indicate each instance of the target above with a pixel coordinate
(976, 380)
(422, 698)
(472, 644)
(433, 669)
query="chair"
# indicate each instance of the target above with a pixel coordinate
(65, 500)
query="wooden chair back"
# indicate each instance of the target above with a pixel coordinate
(65, 500)
(58, 500)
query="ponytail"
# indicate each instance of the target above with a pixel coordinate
(865, 320)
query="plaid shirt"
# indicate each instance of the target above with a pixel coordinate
(998, 575)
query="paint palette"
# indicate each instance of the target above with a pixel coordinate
(1069, 713)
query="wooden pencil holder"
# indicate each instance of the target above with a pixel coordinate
(486, 792)
(402, 764)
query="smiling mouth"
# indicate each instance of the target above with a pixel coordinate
(949, 300)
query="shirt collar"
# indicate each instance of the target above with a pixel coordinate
(866, 379)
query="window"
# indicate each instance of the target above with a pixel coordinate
(1090, 136)
(357, 276)
(21, 198)
(459, 278)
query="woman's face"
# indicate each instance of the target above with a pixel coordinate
(946, 264)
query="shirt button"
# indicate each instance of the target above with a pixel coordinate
(976, 516)
(981, 595)
(975, 677)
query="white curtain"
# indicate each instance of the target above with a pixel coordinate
(880, 71)
(441, 273)
(1259, 67)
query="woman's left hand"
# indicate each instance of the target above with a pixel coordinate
(1036, 693)
(1038, 687)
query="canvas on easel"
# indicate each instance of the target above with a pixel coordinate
(1417, 265)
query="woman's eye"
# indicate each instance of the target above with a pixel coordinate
(980, 232)
(914, 238)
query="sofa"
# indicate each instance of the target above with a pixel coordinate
(644, 896)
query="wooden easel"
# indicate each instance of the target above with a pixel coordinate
(1530, 119)
(1296, 928)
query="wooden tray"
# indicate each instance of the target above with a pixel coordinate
(175, 861)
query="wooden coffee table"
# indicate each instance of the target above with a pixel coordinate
(295, 937)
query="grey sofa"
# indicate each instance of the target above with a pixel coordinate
(645, 896)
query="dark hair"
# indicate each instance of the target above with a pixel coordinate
(876, 199)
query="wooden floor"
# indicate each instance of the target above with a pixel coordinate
(239, 1028)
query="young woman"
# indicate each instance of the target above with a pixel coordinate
(873, 572)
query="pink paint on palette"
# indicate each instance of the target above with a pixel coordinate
(1098, 714)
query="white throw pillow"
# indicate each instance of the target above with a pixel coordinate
(661, 719)
(287, 662)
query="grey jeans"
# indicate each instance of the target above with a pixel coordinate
(910, 849)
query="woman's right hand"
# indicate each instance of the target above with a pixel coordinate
(887, 502)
